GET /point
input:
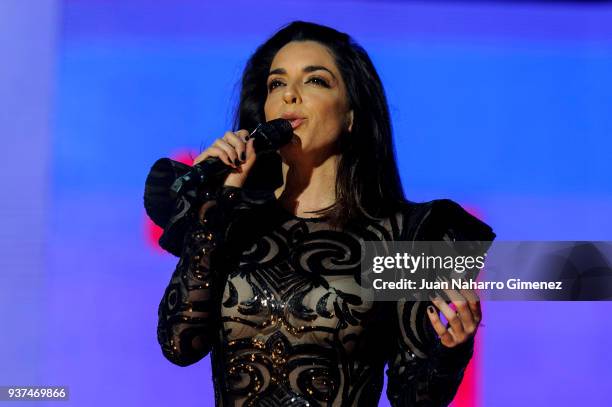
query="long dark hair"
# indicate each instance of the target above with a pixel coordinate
(367, 184)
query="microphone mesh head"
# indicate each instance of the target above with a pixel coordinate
(272, 135)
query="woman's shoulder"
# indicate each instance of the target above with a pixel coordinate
(440, 219)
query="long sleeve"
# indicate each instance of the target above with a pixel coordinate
(187, 314)
(422, 371)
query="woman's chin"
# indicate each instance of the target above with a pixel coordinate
(294, 144)
(294, 153)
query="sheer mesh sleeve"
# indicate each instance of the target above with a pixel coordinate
(421, 371)
(187, 317)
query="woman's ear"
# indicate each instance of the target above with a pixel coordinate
(349, 121)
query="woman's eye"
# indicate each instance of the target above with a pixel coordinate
(274, 84)
(318, 81)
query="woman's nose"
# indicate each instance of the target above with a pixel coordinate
(291, 96)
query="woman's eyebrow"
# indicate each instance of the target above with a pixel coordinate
(309, 68)
(312, 68)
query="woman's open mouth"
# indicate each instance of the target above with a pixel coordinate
(295, 123)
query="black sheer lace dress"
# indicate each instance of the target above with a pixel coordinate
(275, 300)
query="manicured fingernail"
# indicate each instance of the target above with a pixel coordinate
(430, 309)
(243, 156)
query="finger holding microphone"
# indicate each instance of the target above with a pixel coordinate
(237, 151)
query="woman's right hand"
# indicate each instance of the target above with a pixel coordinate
(235, 151)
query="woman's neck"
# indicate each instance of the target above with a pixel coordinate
(307, 188)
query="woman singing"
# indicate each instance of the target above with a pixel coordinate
(269, 284)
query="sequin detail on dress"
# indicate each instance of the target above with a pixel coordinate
(282, 316)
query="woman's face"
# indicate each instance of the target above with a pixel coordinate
(305, 86)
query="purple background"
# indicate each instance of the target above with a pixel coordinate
(503, 106)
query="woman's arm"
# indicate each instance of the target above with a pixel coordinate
(187, 313)
(422, 371)
(428, 359)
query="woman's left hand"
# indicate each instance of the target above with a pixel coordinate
(463, 323)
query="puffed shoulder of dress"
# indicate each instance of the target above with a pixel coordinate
(443, 219)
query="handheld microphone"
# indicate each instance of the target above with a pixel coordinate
(170, 180)
(267, 137)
